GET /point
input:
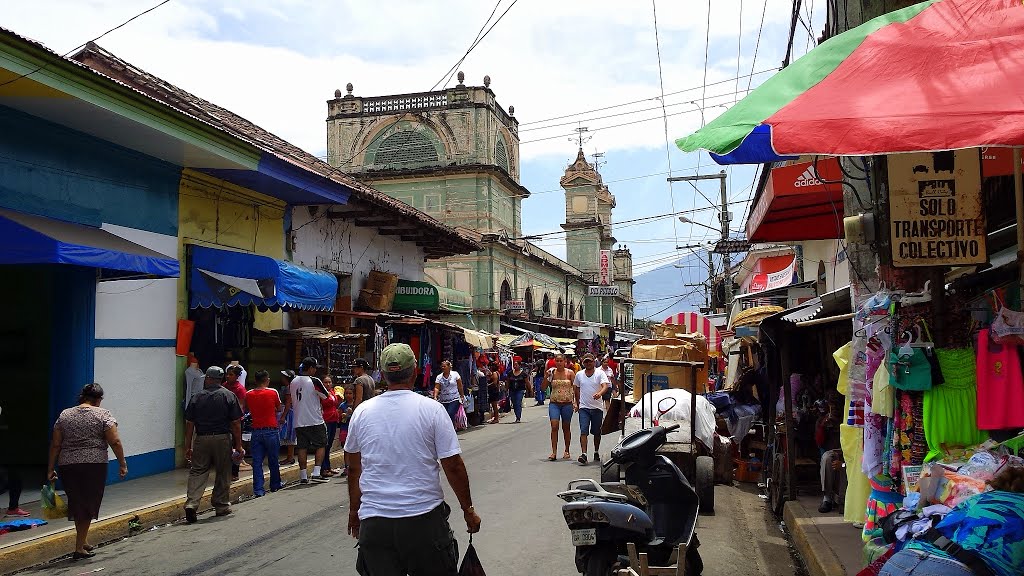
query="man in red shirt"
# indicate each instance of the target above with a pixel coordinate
(265, 406)
(231, 382)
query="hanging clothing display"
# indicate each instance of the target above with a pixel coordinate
(950, 410)
(1000, 385)
(874, 424)
(884, 500)
(851, 439)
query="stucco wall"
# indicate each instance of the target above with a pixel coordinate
(342, 247)
(832, 254)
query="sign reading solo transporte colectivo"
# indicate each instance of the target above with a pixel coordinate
(936, 217)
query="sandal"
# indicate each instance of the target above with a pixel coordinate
(566, 456)
(552, 458)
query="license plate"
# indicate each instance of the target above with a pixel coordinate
(584, 537)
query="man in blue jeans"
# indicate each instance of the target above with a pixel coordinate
(265, 406)
(588, 387)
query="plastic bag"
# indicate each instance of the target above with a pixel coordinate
(54, 506)
(471, 565)
(461, 422)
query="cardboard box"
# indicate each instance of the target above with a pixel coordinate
(676, 376)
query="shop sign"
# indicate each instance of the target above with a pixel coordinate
(935, 210)
(657, 382)
(605, 264)
(602, 290)
(515, 305)
(762, 282)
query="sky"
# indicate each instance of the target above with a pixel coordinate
(277, 62)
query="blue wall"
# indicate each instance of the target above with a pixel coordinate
(52, 171)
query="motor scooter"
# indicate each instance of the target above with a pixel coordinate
(655, 508)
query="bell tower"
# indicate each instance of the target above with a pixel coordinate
(588, 214)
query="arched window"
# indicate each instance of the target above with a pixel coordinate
(501, 154)
(546, 305)
(405, 147)
(529, 303)
(506, 293)
(560, 308)
(572, 309)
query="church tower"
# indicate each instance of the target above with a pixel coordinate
(588, 215)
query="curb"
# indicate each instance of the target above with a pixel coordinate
(809, 542)
(60, 544)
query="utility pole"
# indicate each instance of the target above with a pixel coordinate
(724, 219)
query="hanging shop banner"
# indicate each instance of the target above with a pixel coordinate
(784, 277)
(605, 265)
(935, 210)
(602, 290)
(515, 305)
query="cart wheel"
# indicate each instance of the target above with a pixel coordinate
(776, 489)
(705, 481)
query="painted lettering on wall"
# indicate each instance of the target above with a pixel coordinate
(935, 209)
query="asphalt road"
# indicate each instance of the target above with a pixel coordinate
(301, 529)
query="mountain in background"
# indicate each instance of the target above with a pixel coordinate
(662, 292)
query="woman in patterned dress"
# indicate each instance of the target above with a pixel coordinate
(81, 436)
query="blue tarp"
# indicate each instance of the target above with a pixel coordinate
(30, 239)
(756, 148)
(226, 278)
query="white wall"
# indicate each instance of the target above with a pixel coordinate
(837, 273)
(139, 383)
(342, 247)
(140, 391)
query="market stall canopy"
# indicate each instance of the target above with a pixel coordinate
(479, 339)
(534, 340)
(831, 306)
(689, 322)
(939, 75)
(753, 316)
(802, 201)
(426, 297)
(30, 239)
(226, 278)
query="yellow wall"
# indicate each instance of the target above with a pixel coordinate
(212, 212)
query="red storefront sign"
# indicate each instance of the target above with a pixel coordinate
(802, 201)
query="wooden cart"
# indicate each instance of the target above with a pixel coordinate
(692, 458)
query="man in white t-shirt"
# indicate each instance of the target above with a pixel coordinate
(588, 387)
(306, 391)
(398, 512)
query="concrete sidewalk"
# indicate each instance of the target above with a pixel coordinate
(829, 545)
(128, 508)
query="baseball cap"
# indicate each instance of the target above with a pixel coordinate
(215, 372)
(588, 357)
(362, 363)
(289, 374)
(397, 357)
(309, 362)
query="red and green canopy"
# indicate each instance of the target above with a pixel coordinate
(939, 75)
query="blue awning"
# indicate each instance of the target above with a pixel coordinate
(30, 239)
(226, 278)
(756, 148)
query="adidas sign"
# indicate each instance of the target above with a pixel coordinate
(807, 179)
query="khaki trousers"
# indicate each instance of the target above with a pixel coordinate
(210, 453)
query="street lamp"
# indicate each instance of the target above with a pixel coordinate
(686, 220)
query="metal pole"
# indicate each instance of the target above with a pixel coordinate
(726, 258)
(1018, 190)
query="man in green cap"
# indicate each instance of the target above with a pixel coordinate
(398, 443)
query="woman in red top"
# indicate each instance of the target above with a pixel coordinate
(330, 407)
(265, 406)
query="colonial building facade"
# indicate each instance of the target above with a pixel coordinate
(455, 155)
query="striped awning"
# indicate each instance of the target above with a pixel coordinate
(693, 322)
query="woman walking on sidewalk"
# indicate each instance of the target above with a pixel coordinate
(286, 423)
(81, 436)
(493, 391)
(448, 389)
(518, 380)
(330, 407)
(560, 408)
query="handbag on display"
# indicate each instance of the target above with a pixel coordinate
(911, 372)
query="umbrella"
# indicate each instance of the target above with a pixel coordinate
(939, 75)
(534, 339)
(694, 322)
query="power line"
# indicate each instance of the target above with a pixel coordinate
(651, 99)
(84, 44)
(448, 76)
(757, 44)
(613, 126)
